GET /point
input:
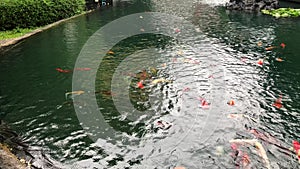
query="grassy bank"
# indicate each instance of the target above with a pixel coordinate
(4, 35)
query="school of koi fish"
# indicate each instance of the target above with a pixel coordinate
(241, 159)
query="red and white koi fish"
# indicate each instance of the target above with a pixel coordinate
(63, 70)
(259, 147)
(282, 45)
(278, 102)
(260, 62)
(241, 158)
(140, 84)
(164, 125)
(204, 103)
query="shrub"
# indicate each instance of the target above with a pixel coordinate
(34, 13)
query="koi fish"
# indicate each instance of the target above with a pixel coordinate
(180, 52)
(282, 45)
(259, 147)
(177, 30)
(74, 93)
(179, 167)
(245, 160)
(161, 80)
(268, 138)
(271, 47)
(204, 103)
(83, 69)
(140, 84)
(63, 70)
(231, 102)
(296, 146)
(278, 59)
(110, 52)
(235, 116)
(260, 61)
(184, 90)
(259, 43)
(278, 102)
(164, 125)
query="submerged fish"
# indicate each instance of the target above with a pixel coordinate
(110, 52)
(140, 84)
(83, 69)
(204, 103)
(279, 59)
(259, 147)
(240, 157)
(231, 102)
(164, 125)
(161, 80)
(282, 45)
(235, 116)
(63, 70)
(260, 61)
(259, 43)
(74, 93)
(278, 102)
(271, 47)
(296, 146)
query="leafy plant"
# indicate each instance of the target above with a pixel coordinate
(33, 13)
(282, 12)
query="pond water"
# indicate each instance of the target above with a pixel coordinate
(216, 61)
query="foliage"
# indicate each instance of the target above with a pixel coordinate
(14, 33)
(33, 13)
(282, 12)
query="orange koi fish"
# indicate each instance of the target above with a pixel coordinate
(63, 70)
(271, 47)
(231, 103)
(278, 102)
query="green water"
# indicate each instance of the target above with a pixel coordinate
(32, 92)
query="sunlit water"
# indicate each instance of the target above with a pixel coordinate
(218, 62)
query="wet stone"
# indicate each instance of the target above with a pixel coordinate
(252, 5)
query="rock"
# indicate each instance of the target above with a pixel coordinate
(252, 5)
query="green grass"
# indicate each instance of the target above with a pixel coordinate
(4, 35)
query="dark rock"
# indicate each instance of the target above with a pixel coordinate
(252, 5)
